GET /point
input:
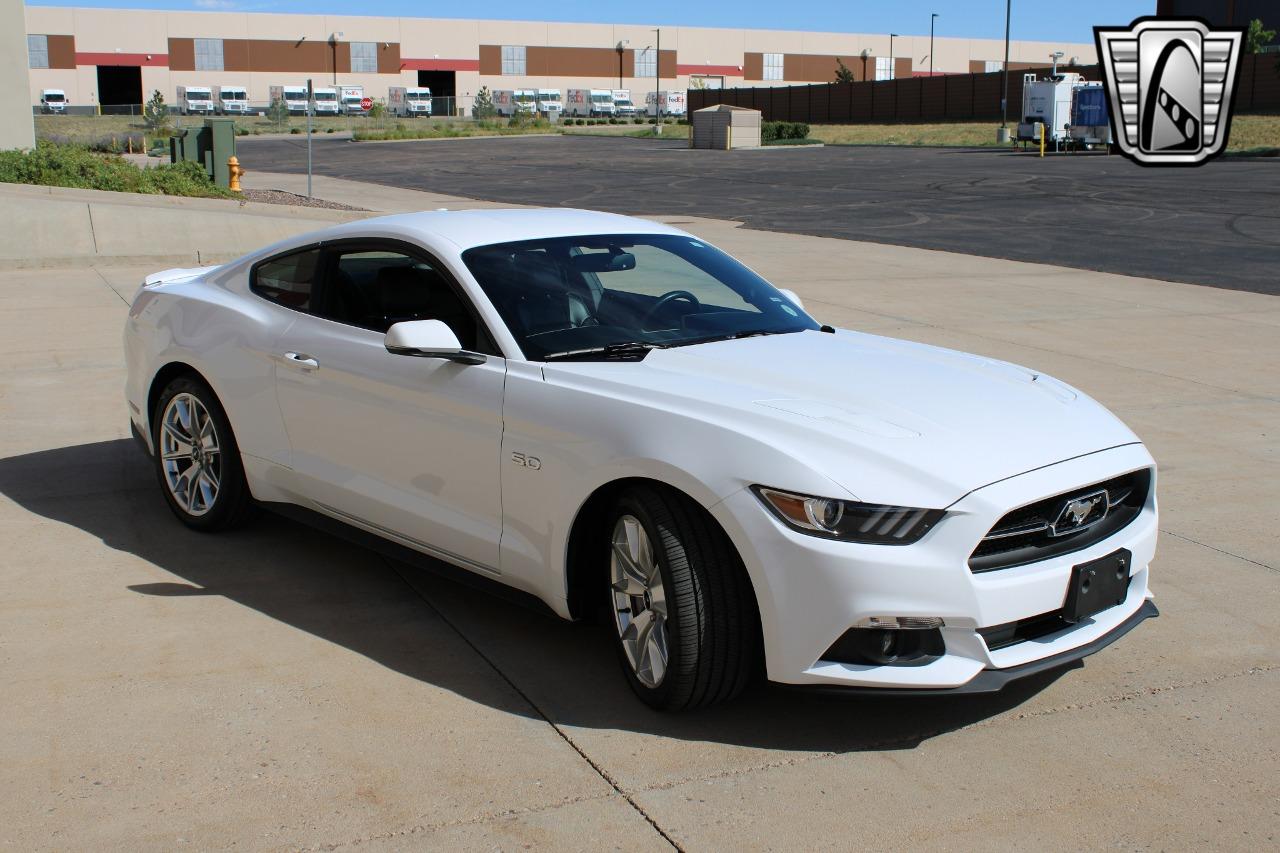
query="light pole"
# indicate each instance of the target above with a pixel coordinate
(657, 82)
(932, 18)
(333, 52)
(892, 71)
(1004, 98)
(620, 48)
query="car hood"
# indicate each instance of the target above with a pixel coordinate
(925, 425)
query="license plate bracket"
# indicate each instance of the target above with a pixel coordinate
(1097, 585)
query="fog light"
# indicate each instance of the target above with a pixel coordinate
(887, 646)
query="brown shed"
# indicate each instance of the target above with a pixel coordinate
(725, 126)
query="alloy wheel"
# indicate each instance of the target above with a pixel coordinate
(190, 454)
(639, 601)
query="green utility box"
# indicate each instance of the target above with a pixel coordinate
(210, 146)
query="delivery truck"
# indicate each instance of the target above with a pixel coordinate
(294, 97)
(510, 101)
(326, 102)
(409, 101)
(195, 100)
(53, 101)
(548, 103)
(231, 100)
(592, 103)
(623, 107)
(353, 101)
(666, 104)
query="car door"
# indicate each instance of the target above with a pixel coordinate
(402, 446)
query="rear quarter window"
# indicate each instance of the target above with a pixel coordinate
(287, 280)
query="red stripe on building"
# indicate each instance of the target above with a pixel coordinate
(726, 70)
(153, 59)
(440, 64)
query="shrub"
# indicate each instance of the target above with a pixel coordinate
(76, 166)
(295, 130)
(156, 114)
(278, 113)
(771, 131)
(330, 130)
(637, 121)
(653, 121)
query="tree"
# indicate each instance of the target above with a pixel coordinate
(156, 114)
(1256, 38)
(278, 113)
(843, 73)
(483, 107)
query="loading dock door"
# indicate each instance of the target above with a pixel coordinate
(444, 90)
(120, 89)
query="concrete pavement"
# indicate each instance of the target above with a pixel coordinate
(277, 689)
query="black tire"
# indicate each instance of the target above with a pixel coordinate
(232, 504)
(712, 621)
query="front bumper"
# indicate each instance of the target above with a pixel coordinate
(810, 590)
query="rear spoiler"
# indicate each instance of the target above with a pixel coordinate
(176, 274)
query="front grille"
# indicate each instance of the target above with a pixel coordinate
(1028, 535)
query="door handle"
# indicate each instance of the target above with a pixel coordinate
(301, 359)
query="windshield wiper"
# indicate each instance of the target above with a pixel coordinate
(733, 336)
(626, 349)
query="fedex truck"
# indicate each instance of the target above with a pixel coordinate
(409, 101)
(231, 100)
(548, 103)
(589, 102)
(294, 97)
(622, 104)
(352, 96)
(510, 101)
(195, 100)
(326, 102)
(666, 104)
(53, 101)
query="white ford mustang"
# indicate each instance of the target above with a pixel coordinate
(607, 413)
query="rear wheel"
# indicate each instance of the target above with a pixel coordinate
(684, 616)
(197, 460)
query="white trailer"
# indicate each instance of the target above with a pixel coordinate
(326, 101)
(623, 107)
(409, 101)
(352, 101)
(53, 101)
(667, 104)
(510, 101)
(294, 97)
(1046, 102)
(548, 103)
(589, 102)
(195, 100)
(231, 100)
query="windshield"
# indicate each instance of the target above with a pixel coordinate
(234, 95)
(418, 96)
(524, 98)
(55, 99)
(569, 294)
(198, 94)
(601, 99)
(326, 96)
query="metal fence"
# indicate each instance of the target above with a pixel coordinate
(953, 97)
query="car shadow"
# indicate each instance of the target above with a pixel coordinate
(389, 612)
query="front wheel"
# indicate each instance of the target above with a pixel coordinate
(685, 617)
(197, 460)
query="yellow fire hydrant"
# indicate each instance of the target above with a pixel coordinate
(233, 165)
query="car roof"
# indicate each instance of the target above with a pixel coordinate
(469, 228)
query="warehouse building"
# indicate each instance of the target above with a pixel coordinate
(106, 57)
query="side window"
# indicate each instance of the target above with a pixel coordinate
(376, 289)
(287, 280)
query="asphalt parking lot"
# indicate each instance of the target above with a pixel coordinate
(278, 689)
(1216, 225)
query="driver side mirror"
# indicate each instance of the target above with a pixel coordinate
(428, 339)
(791, 294)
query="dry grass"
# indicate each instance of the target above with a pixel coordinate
(1248, 132)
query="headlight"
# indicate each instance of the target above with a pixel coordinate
(848, 520)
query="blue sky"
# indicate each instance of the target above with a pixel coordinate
(1032, 19)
